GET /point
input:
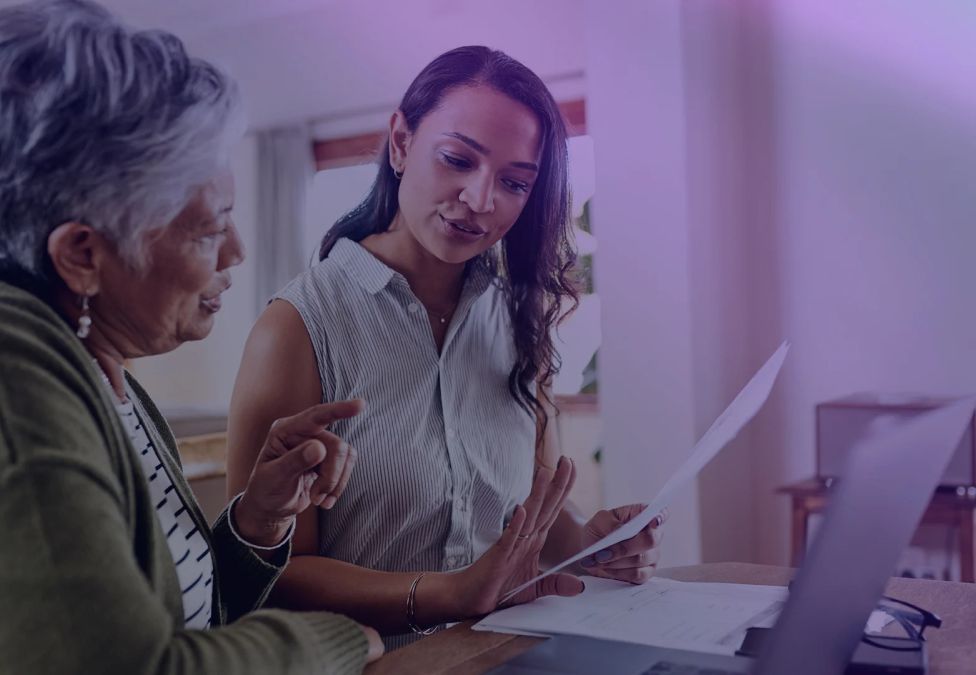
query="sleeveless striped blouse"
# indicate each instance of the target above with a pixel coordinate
(445, 452)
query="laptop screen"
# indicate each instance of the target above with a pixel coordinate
(873, 512)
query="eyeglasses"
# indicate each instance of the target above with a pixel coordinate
(912, 619)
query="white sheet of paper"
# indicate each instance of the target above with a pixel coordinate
(702, 617)
(742, 409)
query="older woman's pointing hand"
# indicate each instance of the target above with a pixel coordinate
(302, 463)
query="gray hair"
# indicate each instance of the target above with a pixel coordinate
(103, 125)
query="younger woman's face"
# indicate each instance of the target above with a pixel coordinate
(468, 171)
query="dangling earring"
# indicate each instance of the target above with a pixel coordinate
(398, 174)
(84, 321)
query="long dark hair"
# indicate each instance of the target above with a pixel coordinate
(537, 255)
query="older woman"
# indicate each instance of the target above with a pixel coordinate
(115, 243)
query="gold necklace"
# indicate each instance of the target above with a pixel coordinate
(442, 318)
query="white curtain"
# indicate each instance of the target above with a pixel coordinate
(286, 164)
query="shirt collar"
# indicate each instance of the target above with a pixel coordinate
(370, 273)
(362, 265)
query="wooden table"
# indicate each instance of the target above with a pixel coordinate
(460, 650)
(946, 508)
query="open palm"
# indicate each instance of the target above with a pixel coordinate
(514, 559)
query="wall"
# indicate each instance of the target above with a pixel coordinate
(808, 177)
(348, 63)
(734, 301)
(830, 158)
(636, 116)
(875, 157)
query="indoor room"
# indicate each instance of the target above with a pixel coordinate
(763, 312)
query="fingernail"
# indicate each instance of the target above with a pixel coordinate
(588, 562)
(329, 502)
(603, 556)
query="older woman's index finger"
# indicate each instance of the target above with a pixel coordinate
(311, 422)
(321, 415)
(324, 414)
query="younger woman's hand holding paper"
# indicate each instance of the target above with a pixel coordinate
(633, 560)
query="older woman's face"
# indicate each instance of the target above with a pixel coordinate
(176, 297)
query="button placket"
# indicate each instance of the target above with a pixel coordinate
(458, 547)
(456, 540)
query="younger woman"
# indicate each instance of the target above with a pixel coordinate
(434, 301)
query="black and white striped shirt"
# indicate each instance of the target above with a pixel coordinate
(194, 562)
(445, 453)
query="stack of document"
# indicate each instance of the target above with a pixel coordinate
(700, 617)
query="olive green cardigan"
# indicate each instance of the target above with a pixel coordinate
(87, 581)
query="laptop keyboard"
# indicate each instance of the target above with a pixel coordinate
(671, 668)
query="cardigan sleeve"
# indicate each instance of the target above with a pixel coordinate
(245, 578)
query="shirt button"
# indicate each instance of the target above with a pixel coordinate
(451, 434)
(413, 308)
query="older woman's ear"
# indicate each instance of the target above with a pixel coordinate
(76, 250)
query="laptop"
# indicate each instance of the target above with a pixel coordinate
(873, 511)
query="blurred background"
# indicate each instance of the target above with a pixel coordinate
(743, 173)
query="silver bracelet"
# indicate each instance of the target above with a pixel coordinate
(230, 523)
(412, 609)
